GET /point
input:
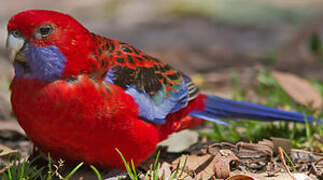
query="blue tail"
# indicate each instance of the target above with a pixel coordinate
(217, 107)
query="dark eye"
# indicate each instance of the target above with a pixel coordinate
(45, 30)
(16, 33)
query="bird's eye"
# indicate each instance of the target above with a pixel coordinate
(16, 33)
(45, 30)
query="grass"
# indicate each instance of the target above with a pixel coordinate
(130, 167)
(153, 172)
(21, 170)
(28, 170)
(300, 134)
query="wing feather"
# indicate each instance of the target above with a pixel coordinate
(156, 87)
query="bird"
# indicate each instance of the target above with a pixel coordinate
(80, 96)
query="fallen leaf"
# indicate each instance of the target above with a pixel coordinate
(164, 172)
(281, 142)
(224, 159)
(6, 151)
(299, 89)
(255, 156)
(240, 177)
(302, 156)
(3, 170)
(200, 166)
(264, 147)
(217, 165)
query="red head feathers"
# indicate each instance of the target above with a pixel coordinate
(43, 28)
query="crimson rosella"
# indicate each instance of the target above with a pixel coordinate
(79, 96)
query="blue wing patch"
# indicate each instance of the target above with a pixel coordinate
(109, 76)
(155, 108)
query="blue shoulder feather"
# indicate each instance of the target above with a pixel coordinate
(155, 108)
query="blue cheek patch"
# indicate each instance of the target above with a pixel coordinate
(46, 63)
(19, 70)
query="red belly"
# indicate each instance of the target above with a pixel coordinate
(83, 121)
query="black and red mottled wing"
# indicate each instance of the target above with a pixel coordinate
(157, 88)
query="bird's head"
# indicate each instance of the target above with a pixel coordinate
(47, 45)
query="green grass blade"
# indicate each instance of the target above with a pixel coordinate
(234, 134)
(130, 173)
(183, 168)
(218, 131)
(156, 159)
(22, 170)
(73, 171)
(98, 175)
(9, 173)
(133, 168)
(50, 171)
(289, 160)
(156, 170)
(176, 169)
(308, 128)
(36, 174)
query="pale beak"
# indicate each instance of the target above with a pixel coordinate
(14, 45)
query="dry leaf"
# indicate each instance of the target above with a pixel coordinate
(164, 171)
(240, 177)
(223, 161)
(3, 170)
(281, 142)
(201, 166)
(206, 166)
(299, 89)
(302, 156)
(6, 151)
(255, 156)
(263, 147)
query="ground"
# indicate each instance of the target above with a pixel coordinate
(230, 48)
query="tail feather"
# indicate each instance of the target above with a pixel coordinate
(217, 107)
(208, 116)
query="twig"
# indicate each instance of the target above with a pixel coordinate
(318, 161)
(3, 170)
(282, 158)
(313, 166)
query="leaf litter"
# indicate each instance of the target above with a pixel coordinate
(231, 161)
(242, 160)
